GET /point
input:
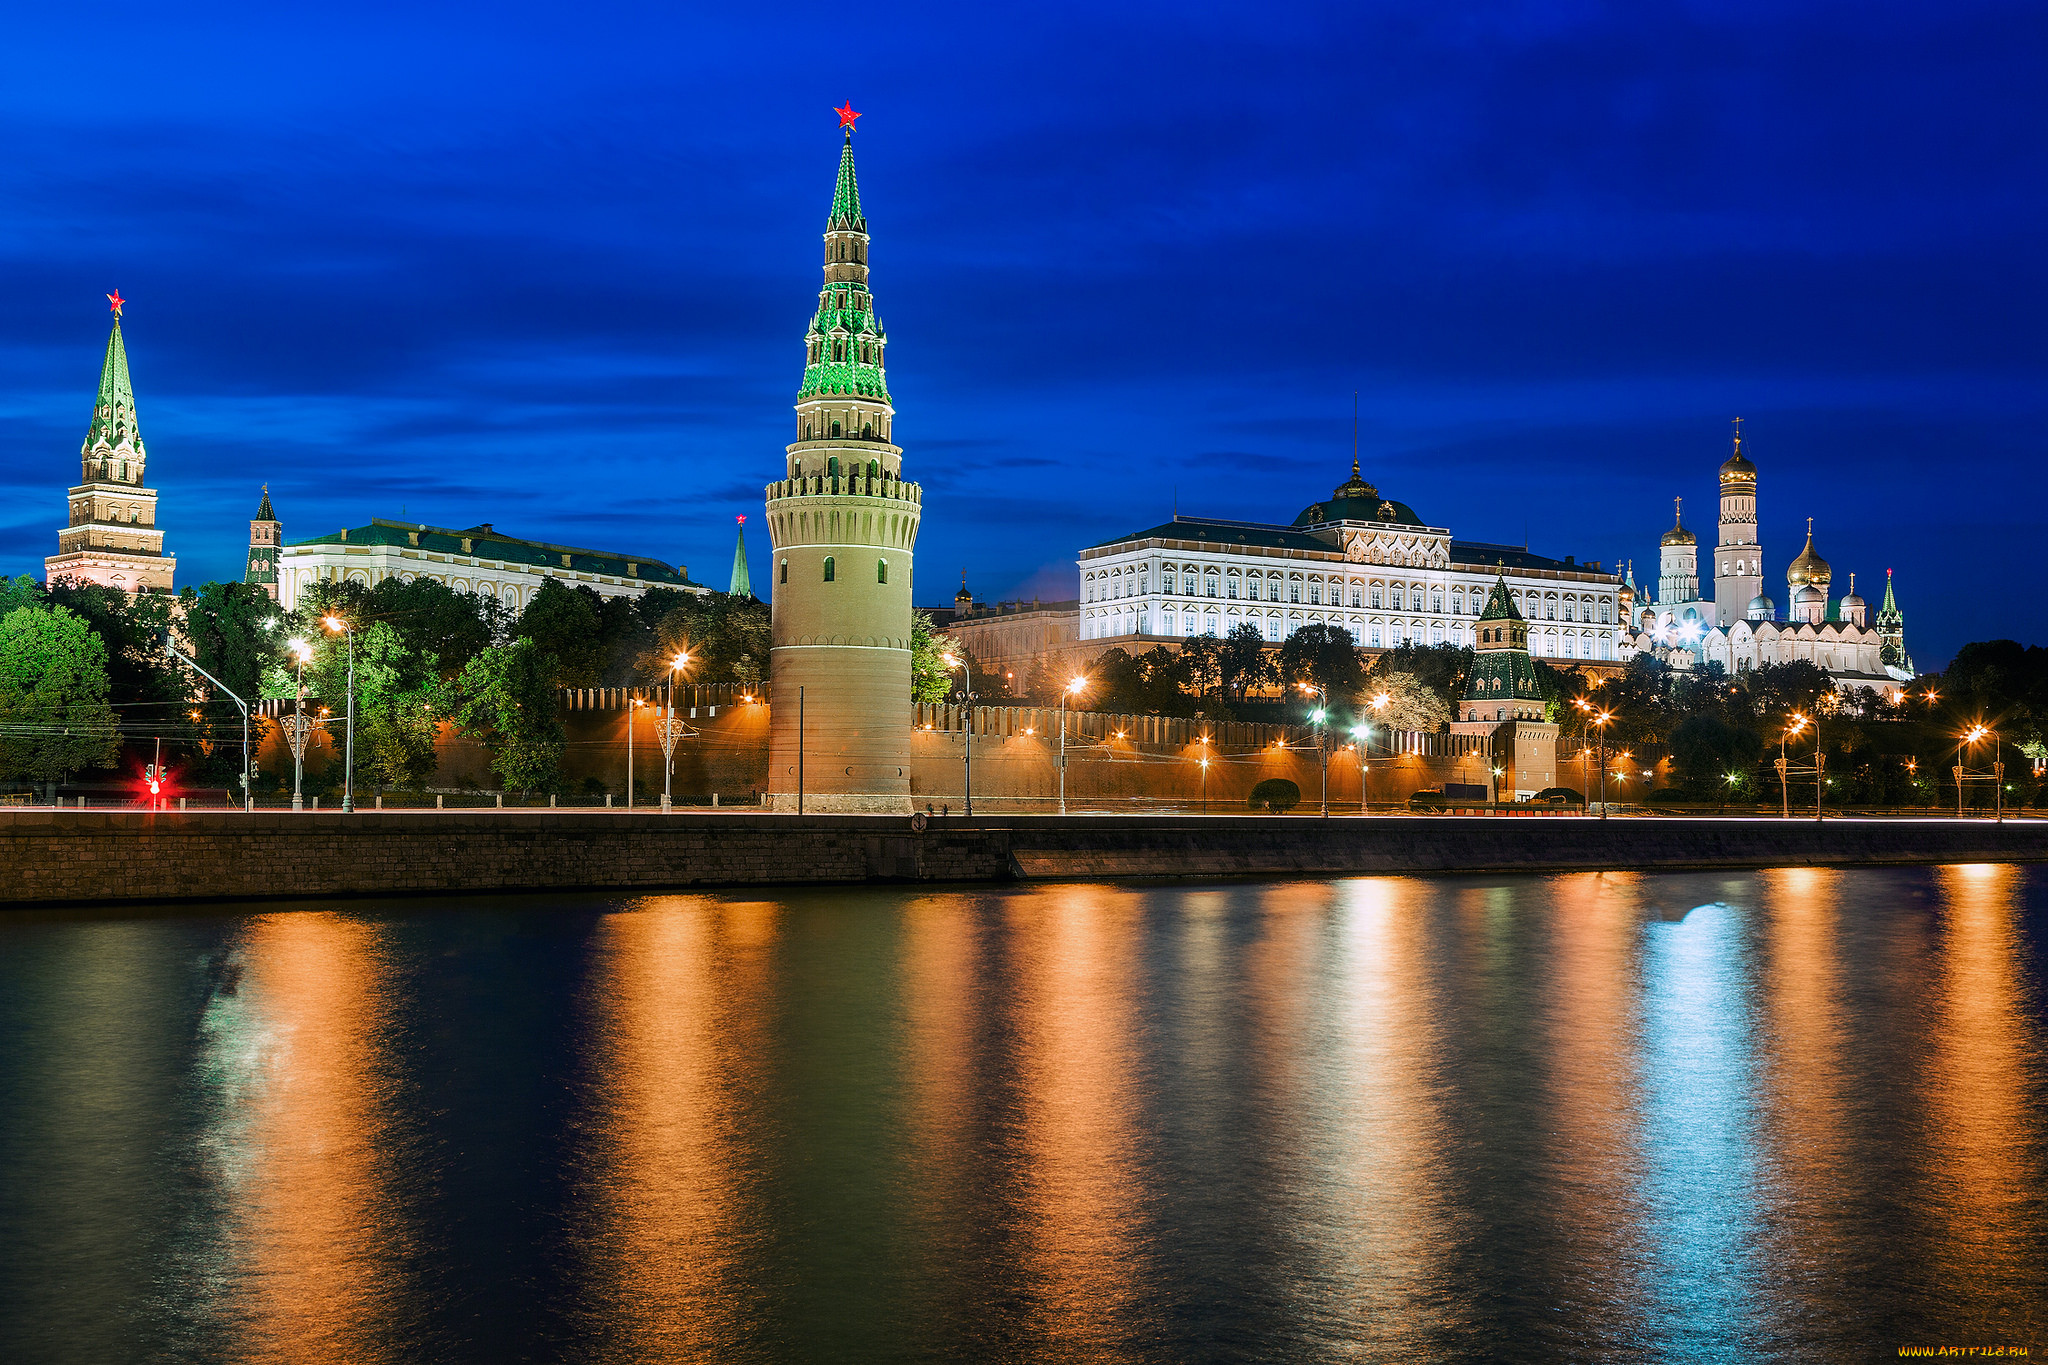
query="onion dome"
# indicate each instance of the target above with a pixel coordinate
(1737, 468)
(1761, 608)
(1678, 535)
(1357, 500)
(1808, 603)
(1809, 567)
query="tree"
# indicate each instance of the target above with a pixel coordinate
(1245, 663)
(505, 700)
(54, 716)
(1705, 749)
(565, 624)
(1442, 669)
(1410, 704)
(1325, 657)
(232, 629)
(1201, 660)
(726, 637)
(930, 680)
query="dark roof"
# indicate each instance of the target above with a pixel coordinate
(1471, 553)
(1228, 532)
(1365, 507)
(487, 542)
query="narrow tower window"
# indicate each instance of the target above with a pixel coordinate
(785, 572)
(830, 569)
(881, 571)
(832, 467)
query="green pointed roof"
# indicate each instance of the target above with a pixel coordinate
(1890, 607)
(1500, 603)
(846, 194)
(264, 513)
(113, 412)
(742, 585)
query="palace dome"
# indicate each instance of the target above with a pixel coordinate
(1761, 608)
(1678, 535)
(1357, 500)
(1809, 567)
(1737, 466)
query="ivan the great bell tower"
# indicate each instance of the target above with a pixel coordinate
(843, 523)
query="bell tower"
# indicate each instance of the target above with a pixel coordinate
(843, 523)
(1738, 558)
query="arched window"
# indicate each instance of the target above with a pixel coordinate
(881, 571)
(832, 466)
(785, 572)
(839, 350)
(874, 469)
(835, 426)
(831, 569)
(867, 431)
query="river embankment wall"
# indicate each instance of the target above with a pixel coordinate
(57, 857)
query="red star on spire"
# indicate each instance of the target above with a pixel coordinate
(116, 299)
(846, 115)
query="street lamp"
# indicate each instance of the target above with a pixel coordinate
(671, 728)
(348, 762)
(1205, 784)
(967, 735)
(1975, 734)
(297, 728)
(1073, 688)
(632, 709)
(1797, 726)
(1322, 751)
(1361, 734)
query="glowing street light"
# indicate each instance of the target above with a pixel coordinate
(670, 728)
(953, 661)
(348, 763)
(297, 728)
(1074, 687)
(1322, 750)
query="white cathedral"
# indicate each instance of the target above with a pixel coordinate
(1739, 628)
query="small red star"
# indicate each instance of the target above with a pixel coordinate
(116, 299)
(743, 521)
(846, 115)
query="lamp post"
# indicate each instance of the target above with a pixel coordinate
(1797, 726)
(1322, 750)
(1205, 784)
(633, 705)
(248, 790)
(297, 728)
(1073, 686)
(671, 728)
(967, 727)
(348, 762)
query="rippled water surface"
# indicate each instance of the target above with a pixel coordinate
(1795, 1115)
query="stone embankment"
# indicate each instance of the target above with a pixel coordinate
(54, 857)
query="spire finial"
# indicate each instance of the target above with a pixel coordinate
(1809, 530)
(1738, 436)
(1354, 433)
(116, 301)
(1677, 513)
(846, 117)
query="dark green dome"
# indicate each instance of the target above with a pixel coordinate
(1357, 500)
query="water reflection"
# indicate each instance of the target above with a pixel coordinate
(302, 1257)
(678, 987)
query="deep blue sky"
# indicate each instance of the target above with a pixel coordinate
(550, 267)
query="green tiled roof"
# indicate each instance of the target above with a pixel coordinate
(113, 412)
(846, 194)
(486, 542)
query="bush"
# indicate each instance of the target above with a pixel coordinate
(1564, 794)
(1275, 794)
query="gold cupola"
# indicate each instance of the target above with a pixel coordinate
(1809, 567)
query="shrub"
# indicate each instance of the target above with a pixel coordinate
(1275, 794)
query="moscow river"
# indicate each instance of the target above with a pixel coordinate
(1784, 1115)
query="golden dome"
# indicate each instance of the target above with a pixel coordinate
(1737, 468)
(1809, 567)
(1678, 535)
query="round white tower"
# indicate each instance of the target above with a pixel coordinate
(843, 523)
(1678, 569)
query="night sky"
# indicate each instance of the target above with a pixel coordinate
(550, 267)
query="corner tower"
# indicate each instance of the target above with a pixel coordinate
(1739, 558)
(112, 539)
(843, 524)
(266, 535)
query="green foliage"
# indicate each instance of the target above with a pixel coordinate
(1275, 793)
(1410, 704)
(1155, 683)
(505, 699)
(929, 680)
(566, 625)
(726, 637)
(1706, 749)
(1442, 669)
(141, 680)
(232, 630)
(54, 716)
(1324, 657)
(1244, 662)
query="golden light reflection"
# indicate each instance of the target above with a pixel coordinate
(681, 982)
(940, 1005)
(1594, 1085)
(1385, 1223)
(294, 1041)
(1977, 1084)
(1076, 952)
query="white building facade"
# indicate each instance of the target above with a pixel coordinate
(479, 559)
(1358, 562)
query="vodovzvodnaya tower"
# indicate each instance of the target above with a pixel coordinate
(843, 523)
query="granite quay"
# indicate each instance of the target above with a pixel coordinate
(54, 857)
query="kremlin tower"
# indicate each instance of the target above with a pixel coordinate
(112, 539)
(843, 523)
(1739, 558)
(266, 536)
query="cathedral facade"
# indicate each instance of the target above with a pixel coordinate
(112, 538)
(1740, 627)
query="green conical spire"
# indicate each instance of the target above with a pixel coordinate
(846, 194)
(1890, 606)
(264, 513)
(1500, 603)
(113, 412)
(742, 585)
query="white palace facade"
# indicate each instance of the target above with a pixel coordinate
(1362, 563)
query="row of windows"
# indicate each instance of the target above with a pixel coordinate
(1372, 634)
(867, 353)
(832, 570)
(1397, 597)
(853, 469)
